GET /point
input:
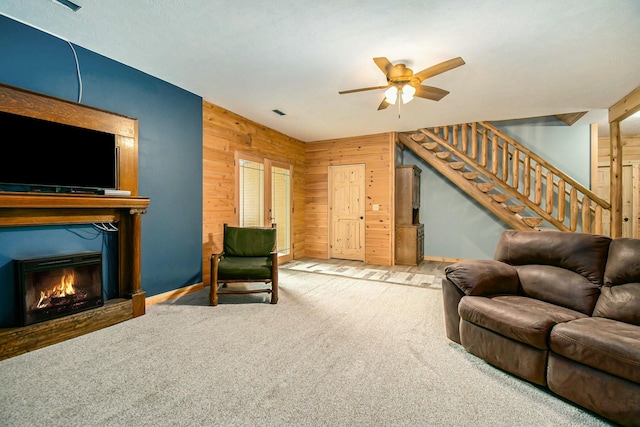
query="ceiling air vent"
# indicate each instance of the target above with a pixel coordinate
(278, 112)
(69, 4)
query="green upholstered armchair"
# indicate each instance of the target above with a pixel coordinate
(248, 255)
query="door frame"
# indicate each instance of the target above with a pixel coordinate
(330, 237)
(635, 193)
(268, 164)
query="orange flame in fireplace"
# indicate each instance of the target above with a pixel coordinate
(63, 289)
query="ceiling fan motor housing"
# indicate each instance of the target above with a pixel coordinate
(399, 75)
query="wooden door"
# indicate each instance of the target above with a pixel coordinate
(281, 183)
(629, 199)
(346, 212)
(264, 192)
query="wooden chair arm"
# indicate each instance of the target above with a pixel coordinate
(214, 260)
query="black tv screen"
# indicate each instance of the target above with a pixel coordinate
(40, 153)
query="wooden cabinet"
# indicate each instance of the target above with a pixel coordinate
(407, 194)
(409, 231)
(409, 244)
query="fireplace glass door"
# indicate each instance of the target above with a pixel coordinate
(58, 286)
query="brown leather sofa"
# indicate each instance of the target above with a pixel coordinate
(558, 309)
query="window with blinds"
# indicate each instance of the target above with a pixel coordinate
(251, 194)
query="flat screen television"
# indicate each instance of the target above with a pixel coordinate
(40, 155)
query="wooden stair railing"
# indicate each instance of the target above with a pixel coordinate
(481, 151)
(465, 180)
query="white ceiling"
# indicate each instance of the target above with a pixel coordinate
(524, 58)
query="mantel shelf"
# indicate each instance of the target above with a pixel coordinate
(69, 201)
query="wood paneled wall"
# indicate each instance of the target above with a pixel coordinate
(630, 148)
(378, 155)
(224, 133)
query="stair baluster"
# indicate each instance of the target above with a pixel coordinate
(467, 148)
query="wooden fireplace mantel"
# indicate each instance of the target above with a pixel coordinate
(58, 201)
(23, 209)
(36, 209)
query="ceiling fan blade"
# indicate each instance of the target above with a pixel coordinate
(384, 104)
(342, 92)
(439, 69)
(384, 64)
(430, 92)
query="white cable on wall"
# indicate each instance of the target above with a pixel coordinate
(106, 226)
(61, 38)
(77, 71)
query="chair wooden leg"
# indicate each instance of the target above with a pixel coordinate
(274, 291)
(213, 294)
(274, 278)
(213, 291)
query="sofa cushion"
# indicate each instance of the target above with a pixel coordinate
(523, 319)
(604, 344)
(621, 302)
(483, 277)
(622, 264)
(558, 286)
(620, 296)
(582, 253)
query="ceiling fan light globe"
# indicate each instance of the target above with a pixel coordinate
(407, 93)
(406, 99)
(391, 95)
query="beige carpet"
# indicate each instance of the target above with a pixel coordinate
(334, 351)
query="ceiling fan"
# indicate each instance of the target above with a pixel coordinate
(402, 84)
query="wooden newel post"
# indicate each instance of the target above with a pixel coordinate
(137, 294)
(615, 156)
(619, 111)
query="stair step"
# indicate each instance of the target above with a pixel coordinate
(418, 136)
(516, 208)
(444, 155)
(485, 187)
(457, 165)
(500, 198)
(532, 221)
(431, 146)
(471, 175)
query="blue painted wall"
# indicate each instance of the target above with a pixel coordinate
(170, 154)
(567, 147)
(456, 226)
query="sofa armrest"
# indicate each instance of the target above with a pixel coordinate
(483, 277)
(451, 297)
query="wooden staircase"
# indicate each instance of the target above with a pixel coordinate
(515, 184)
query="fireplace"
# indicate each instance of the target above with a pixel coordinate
(57, 286)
